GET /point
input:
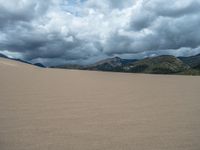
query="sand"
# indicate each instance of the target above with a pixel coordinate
(54, 109)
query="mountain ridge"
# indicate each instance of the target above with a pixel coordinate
(192, 61)
(164, 64)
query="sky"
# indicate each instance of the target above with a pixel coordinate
(56, 32)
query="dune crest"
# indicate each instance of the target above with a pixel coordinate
(7, 63)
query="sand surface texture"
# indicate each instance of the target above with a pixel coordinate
(53, 109)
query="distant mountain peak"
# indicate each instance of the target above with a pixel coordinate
(164, 64)
(40, 65)
(117, 58)
(3, 56)
(110, 64)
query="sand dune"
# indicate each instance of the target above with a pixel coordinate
(53, 109)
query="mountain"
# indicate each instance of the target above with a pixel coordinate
(3, 56)
(110, 64)
(165, 64)
(23, 61)
(39, 65)
(197, 67)
(69, 66)
(192, 61)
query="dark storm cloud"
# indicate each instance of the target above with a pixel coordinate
(34, 44)
(15, 11)
(172, 8)
(82, 31)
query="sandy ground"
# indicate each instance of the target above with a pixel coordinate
(52, 109)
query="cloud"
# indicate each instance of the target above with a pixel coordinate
(13, 11)
(172, 8)
(151, 29)
(83, 31)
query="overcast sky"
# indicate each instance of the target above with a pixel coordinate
(84, 31)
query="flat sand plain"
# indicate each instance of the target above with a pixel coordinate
(54, 109)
